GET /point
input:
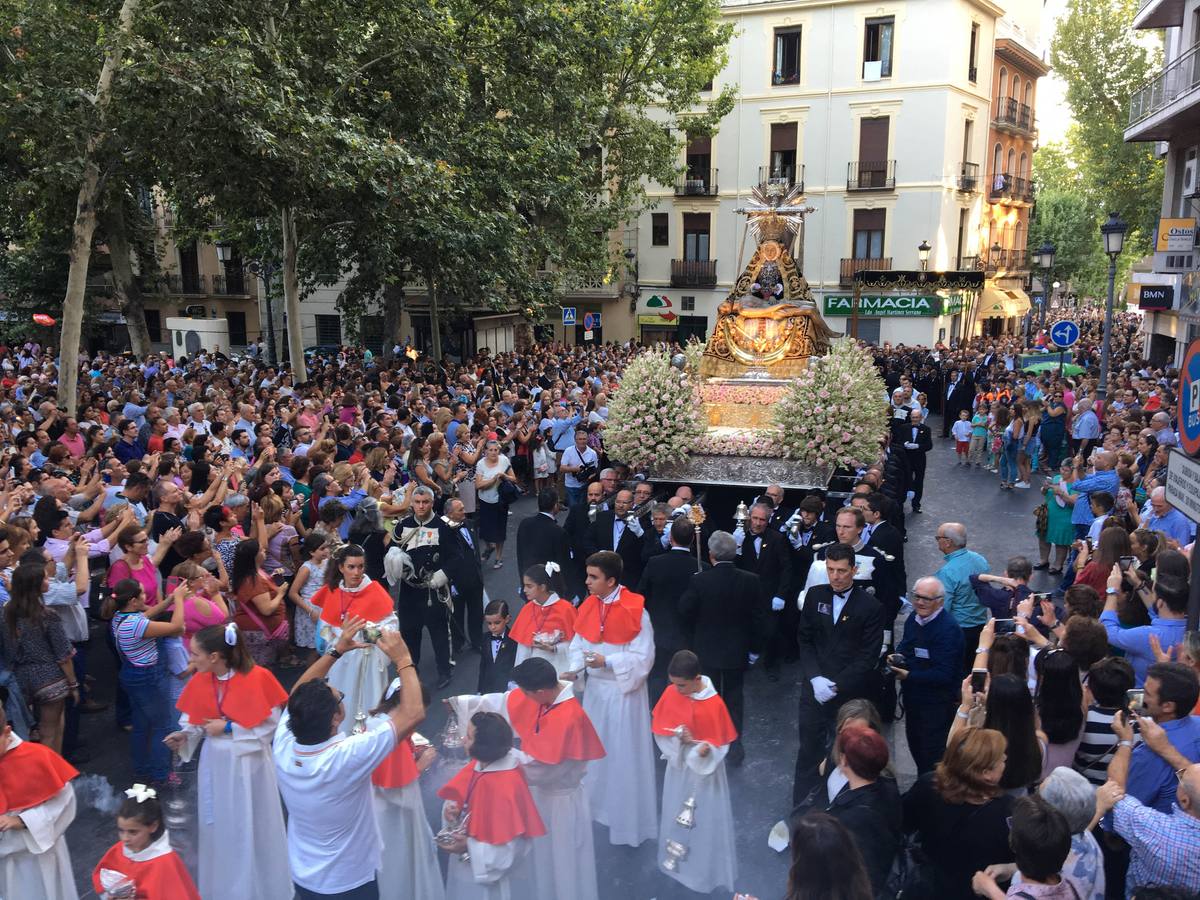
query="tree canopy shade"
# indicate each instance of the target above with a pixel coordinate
(474, 145)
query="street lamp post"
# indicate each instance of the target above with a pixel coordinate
(1043, 258)
(265, 270)
(1114, 240)
(923, 249)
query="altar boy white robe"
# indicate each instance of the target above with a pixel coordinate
(621, 787)
(34, 861)
(711, 861)
(555, 759)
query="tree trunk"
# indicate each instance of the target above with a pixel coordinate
(125, 285)
(291, 296)
(435, 325)
(393, 312)
(80, 253)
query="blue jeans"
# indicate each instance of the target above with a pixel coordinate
(575, 495)
(150, 702)
(1008, 462)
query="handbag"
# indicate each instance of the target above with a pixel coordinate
(1041, 518)
(912, 874)
(508, 491)
(281, 633)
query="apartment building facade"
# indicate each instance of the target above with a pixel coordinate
(1166, 111)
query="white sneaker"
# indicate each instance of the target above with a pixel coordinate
(1021, 484)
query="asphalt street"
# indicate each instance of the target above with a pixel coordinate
(999, 523)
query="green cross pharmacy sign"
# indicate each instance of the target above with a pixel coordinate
(875, 305)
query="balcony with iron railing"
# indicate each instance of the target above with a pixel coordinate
(1012, 115)
(968, 177)
(871, 176)
(232, 283)
(1011, 187)
(1169, 102)
(786, 177)
(701, 183)
(190, 283)
(861, 264)
(1159, 14)
(693, 272)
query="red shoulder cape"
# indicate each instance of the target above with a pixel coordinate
(534, 619)
(398, 768)
(31, 774)
(502, 808)
(707, 720)
(564, 732)
(372, 603)
(248, 700)
(619, 625)
(162, 878)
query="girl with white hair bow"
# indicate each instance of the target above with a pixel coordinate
(545, 625)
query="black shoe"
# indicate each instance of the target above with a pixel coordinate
(443, 681)
(772, 674)
(736, 755)
(1041, 567)
(916, 509)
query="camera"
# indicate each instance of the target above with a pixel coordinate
(897, 660)
(1006, 626)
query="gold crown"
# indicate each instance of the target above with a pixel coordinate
(773, 227)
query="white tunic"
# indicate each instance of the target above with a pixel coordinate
(564, 858)
(492, 871)
(559, 657)
(34, 861)
(362, 675)
(410, 865)
(621, 787)
(711, 861)
(240, 815)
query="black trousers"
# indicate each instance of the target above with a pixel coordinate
(728, 683)
(368, 891)
(781, 637)
(468, 616)
(417, 614)
(658, 679)
(916, 463)
(926, 725)
(815, 722)
(970, 642)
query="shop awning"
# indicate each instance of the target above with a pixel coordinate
(997, 303)
(1020, 302)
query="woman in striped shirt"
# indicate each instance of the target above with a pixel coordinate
(144, 674)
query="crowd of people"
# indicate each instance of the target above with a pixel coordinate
(218, 531)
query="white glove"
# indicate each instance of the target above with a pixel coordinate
(776, 604)
(683, 510)
(753, 658)
(665, 539)
(739, 536)
(823, 689)
(636, 527)
(791, 522)
(909, 445)
(438, 580)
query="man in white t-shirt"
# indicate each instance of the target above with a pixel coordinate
(334, 847)
(574, 459)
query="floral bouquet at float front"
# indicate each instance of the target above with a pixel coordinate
(833, 414)
(655, 416)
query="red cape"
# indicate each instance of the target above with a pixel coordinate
(620, 624)
(564, 732)
(248, 698)
(534, 619)
(398, 768)
(31, 774)
(162, 878)
(707, 720)
(502, 808)
(372, 603)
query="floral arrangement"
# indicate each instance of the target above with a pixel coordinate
(833, 415)
(744, 442)
(654, 418)
(693, 350)
(746, 395)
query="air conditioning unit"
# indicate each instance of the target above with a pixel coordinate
(1188, 186)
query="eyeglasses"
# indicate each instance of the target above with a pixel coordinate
(921, 598)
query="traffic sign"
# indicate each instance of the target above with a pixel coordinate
(1189, 400)
(568, 315)
(1183, 484)
(1064, 333)
(589, 321)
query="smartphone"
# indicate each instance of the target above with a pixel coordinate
(1038, 598)
(978, 681)
(1126, 562)
(898, 660)
(1135, 701)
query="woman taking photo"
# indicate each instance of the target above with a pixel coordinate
(1093, 567)
(144, 676)
(493, 511)
(1059, 533)
(203, 604)
(233, 705)
(259, 611)
(36, 650)
(136, 564)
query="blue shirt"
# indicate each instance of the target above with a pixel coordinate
(955, 575)
(1136, 641)
(1086, 425)
(135, 413)
(1174, 524)
(452, 433)
(1151, 778)
(562, 433)
(1081, 512)
(350, 501)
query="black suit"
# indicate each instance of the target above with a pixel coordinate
(956, 396)
(891, 580)
(576, 527)
(847, 653)
(772, 563)
(599, 536)
(724, 609)
(540, 539)
(466, 577)
(923, 438)
(663, 581)
(495, 673)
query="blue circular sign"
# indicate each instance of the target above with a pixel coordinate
(588, 321)
(1064, 333)
(1189, 400)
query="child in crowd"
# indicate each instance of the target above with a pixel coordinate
(979, 433)
(962, 436)
(142, 864)
(499, 650)
(315, 550)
